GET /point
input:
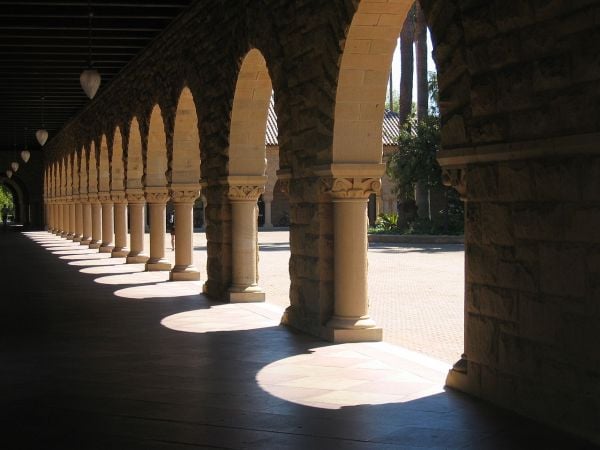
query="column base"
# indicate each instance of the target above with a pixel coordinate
(77, 239)
(120, 252)
(94, 244)
(250, 294)
(106, 248)
(158, 265)
(344, 335)
(64, 234)
(184, 273)
(458, 377)
(136, 259)
(85, 241)
(351, 329)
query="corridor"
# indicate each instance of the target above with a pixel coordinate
(97, 354)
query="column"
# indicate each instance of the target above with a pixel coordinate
(86, 219)
(244, 244)
(267, 199)
(157, 201)
(65, 218)
(108, 223)
(350, 321)
(72, 231)
(96, 240)
(78, 220)
(56, 216)
(120, 209)
(183, 199)
(136, 200)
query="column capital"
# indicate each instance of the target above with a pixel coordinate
(135, 196)
(118, 197)
(351, 188)
(93, 197)
(244, 193)
(456, 177)
(104, 197)
(184, 193)
(156, 195)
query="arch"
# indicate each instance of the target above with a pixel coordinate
(103, 166)
(249, 117)
(363, 78)
(134, 167)
(117, 165)
(83, 171)
(185, 164)
(68, 175)
(156, 155)
(93, 169)
(75, 173)
(63, 178)
(19, 196)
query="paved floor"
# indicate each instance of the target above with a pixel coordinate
(97, 354)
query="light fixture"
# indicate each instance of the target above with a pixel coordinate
(90, 78)
(25, 155)
(9, 173)
(42, 134)
(14, 165)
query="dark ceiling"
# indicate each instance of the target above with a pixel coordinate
(44, 48)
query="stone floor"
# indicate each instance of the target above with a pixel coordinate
(97, 354)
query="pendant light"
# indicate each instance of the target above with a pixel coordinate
(42, 134)
(25, 155)
(9, 173)
(90, 78)
(14, 164)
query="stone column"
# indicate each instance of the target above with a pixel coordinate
(65, 218)
(350, 321)
(157, 201)
(120, 202)
(267, 199)
(183, 198)
(244, 244)
(86, 213)
(78, 220)
(108, 223)
(136, 200)
(72, 227)
(96, 240)
(59, 218)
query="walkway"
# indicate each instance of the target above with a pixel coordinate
(97, 354)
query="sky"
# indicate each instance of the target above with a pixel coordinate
(396, 66)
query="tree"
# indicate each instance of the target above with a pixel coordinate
(6, 200)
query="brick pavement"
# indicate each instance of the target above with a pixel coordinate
(416, 292)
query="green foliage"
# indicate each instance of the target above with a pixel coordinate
(6, 201)
(387, 222)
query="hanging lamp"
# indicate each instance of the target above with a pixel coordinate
(42, 134)
(25, 155)
(90, 78)
(9, 173)
(14, 164)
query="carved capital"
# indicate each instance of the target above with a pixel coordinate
(456, 177)
(184, 195)
(157, 196)
(135, 196)
(241, 193)
(118, 197)
(351, 188)
(104, 197)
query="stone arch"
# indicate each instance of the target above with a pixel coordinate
(249, 117)
(117, 163)
(134, 167)
(156, 155)
(93, 169)
(69, 174)
(20, 196)
(103, 166)
(75, 168)
(83, 171)
(185, 163)
(362, 81)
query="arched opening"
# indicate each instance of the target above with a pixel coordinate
(8, 205)
(117, 190)
(185, 187)
(134, 173)
(157, 195)
(247, 167)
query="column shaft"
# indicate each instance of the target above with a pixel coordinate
(136, 227)
(158, 218)
(78, 221)
(108, 225)
(184, 238)
(120, 250)
(96, 240)
(86, 208)
(267, 223)
(72, 232)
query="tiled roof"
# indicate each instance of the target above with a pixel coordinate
(389, 131)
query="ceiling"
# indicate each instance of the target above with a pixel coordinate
(44, 47)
